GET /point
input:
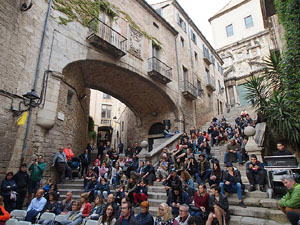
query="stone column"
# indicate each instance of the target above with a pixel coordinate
(228, 98)
(144, 154)
(251, 146)
(236, 100)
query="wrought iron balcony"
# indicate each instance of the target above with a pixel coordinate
(211, 83)
(206, 56)
(189, 91)
(159, 70)
(105, 122)
(106, 39)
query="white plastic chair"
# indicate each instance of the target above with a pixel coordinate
(18, 214)
(23, 223)
(60, 218)
(11, 222)
(91, 222)
(48, 217)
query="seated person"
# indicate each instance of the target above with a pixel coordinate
(293, 217)
(164, 216)
(108, 216)
(53, 190)
(218, 205)
(176, 198)
(120, 193)
(192, 166)
(233, 152)
(92, 188)
(216, 175)
(167, 132)
(232, 183)
(103, 171)
(36, 206)
(204, 170)
(255, 173)
(183, 216)
(201, 200)
(281, 151)
(187, 183)
(172, 179)
(291, 200)
(131, 185)
(88, 177)
(4, 215)
(86, 207)
(73, 217)
(66, 204)
(52, 205)
(140, 193)
(163, 168)
(103, 188)
(149, 173)
(144, 217)
(95, 212)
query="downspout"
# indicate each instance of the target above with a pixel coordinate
(37, 73)
(178, 77)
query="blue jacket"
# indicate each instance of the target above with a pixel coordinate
(8, 186)
(104, 187)
(258, 163)
(92, 186)
(145, 219)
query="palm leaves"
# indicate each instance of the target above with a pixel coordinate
(268, 96)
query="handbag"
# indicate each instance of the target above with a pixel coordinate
(194, 208)
(13, 196)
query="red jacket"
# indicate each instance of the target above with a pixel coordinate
(5, 215)
(87, 209)
(69, 154)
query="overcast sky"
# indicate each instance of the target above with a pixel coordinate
(200, 11)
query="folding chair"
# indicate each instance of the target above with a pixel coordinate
(48, 217)
(91, 222)
(11, 222)
(18, 214)
(60, 218)
(23, 223)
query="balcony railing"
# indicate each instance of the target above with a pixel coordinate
(105, 38)
(189, 91)
(159, 70)
(106, 122)
(210, 82)
(206, 56)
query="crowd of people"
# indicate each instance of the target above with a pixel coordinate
(178, 170)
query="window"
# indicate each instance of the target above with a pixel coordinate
(213, 61)
(182, 41)
(220, 87)
(220, 69)
(155, 51)
(199, 88)
(122, 126)
(106, 111)
(248, 21)
(196, 56)
(206, 52)
(159, 11)
(106, 96)
(194, 37)
(207, 75)
(155, 24)
(229, 30)
(181, 23)
(70, 97)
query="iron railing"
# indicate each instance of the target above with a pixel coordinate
(108, 34)
(158, 66)
(190, 88)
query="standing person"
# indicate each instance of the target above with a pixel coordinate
(85, 161)
(69, 153)
(4, 215)
(121, 147)
(36, 206)
(164, 215)
(37, 168)
(144, 217)
(126, 217)
(108, 215)
(22, 180)
(149, 173)
(8, 187)
(60, 160)
(218, 205)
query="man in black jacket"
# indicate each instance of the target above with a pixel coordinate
(203, 171)
(22, 180)
(149, 173)
(281, 150)
(126, 218)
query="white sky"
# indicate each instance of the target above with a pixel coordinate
(200, 11)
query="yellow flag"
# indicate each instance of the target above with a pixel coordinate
(22, 119)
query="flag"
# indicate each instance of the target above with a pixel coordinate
(22, 119)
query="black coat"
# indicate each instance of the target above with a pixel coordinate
(22, 181)
(223, 203)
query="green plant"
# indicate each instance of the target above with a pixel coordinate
(91, 124)
(92, 135)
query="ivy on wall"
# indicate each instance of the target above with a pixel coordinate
(84, 11)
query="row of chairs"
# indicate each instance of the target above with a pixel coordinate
(18, 216)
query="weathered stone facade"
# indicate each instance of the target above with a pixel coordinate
(71, 65)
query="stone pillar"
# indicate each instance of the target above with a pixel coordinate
(236, 100)
(228, 98)
(251, 146)
(144, 154)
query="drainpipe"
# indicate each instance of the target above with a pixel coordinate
(178, 77)
(37, 73)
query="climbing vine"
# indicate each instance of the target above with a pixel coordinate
(85, 11)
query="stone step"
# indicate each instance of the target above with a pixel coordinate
(70, 186)
(240, 220)
(255, 202)
(258, 212)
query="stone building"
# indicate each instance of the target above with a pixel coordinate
(243, 42)
(123, 48)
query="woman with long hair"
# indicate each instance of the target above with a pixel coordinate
(108, 216)
(177, 198)
(86, 207)
(164, 215)
(188, 183)
(216, 174)
(95, 212)
(115, 177)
